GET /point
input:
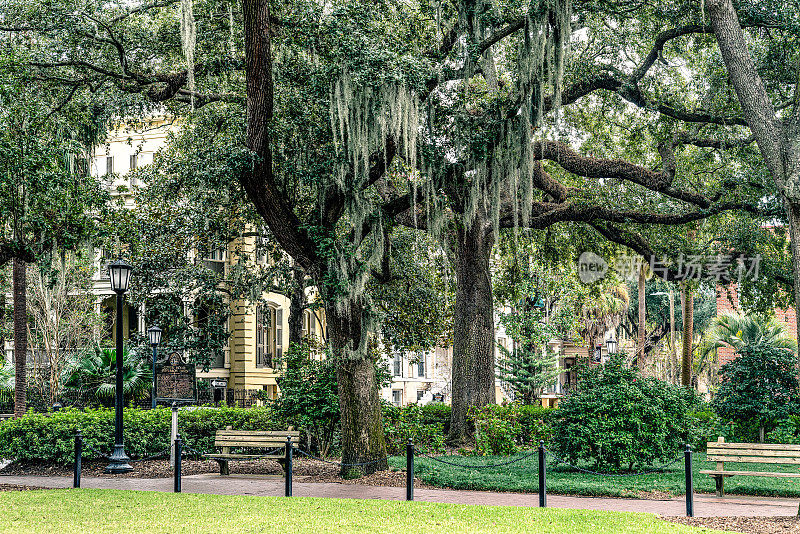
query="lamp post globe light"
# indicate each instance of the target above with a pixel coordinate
(154, 335)
(120, 273)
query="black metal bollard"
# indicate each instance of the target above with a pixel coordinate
(178, 461)
(410, 470)
(689, 482)
(542, 477)
(288, 466)
(76, 479)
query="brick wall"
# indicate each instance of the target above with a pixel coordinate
(728, 301)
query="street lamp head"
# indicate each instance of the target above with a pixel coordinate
(154, 334)
(611, 345)
(120, 274)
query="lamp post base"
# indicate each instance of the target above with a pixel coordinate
(119, 461)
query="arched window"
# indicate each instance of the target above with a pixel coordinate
(269, 335)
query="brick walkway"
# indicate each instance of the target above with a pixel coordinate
(705, 505)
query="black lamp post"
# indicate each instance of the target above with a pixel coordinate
(120, 273)
(154, 333)
(611, 345)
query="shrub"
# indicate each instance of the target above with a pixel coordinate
(706, 426)
(787, 431)
(506, 429)
(436, 412)
(50, 437)
(496, 429)
(309, 398)
(758, 388)
(617, 419)
(406, 422)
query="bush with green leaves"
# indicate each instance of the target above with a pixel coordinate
(50, 437)
(617, 420)
(495, 431)
(409, 422)
(506, 429)
(786, 431)
(706, 426)
(758, 388)
(309, 398)
(436, 412)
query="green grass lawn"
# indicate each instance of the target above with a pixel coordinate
(524, 477)
(132, 512)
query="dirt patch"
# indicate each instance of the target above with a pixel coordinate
(16, 487)
(748, 525)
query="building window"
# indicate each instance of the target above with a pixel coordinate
(398, 364)
(109, 166)
(309, 324)
(397, 397)
(269, 335)
(216, 260)
(134, 161)
(420, 394)
(421, 364)
(205, 315)
(263, 248)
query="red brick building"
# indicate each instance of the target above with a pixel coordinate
(728, 301)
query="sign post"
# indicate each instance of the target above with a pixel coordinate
(176, 381)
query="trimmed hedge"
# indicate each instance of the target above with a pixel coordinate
(51, 437)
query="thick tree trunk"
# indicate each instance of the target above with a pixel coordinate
(20, 337)
(687, 300)
(642, 321)
(363, 440)
(793, 212)
(297, 305)
(473, 369)
(778, 143)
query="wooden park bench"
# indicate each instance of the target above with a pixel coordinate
(749, 453)
(251, 439)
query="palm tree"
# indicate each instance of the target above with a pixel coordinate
(604, 313)
(740, 332)
(20, 336)
(6, 384)
(94, 371)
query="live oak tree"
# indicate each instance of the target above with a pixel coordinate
(464, 101)
(763, 74)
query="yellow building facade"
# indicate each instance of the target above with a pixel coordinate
(259, 331)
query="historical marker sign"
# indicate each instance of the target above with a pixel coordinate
(175, 380)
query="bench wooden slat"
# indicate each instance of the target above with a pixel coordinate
(749, 452)
(752, 459)
(753, 473)
(753, 446)
(273, 439)
(271, 433)
(213, 456)
(251, 444)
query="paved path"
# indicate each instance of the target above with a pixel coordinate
(705, 505)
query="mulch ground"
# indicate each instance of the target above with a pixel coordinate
(17, 487)
(304, 470)
(748, 525)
